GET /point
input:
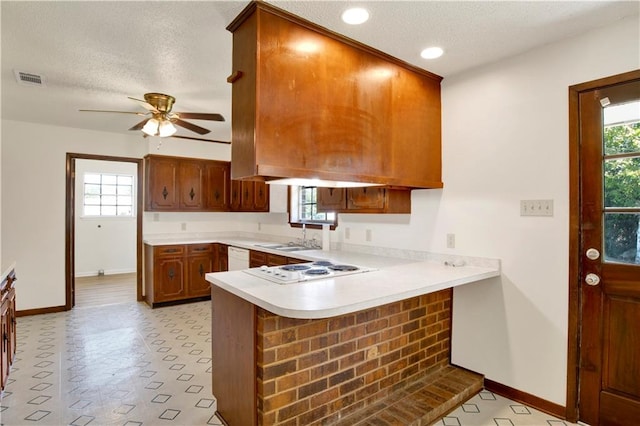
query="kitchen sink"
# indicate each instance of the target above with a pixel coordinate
(282, 247)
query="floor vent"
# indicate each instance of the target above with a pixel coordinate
(29, 79)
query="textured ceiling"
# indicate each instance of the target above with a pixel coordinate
(95, 54)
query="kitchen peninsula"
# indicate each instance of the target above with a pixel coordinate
(343, 349)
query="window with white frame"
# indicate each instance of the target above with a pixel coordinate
(108, 194)
(304, 207)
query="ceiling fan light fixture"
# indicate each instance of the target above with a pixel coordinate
(151, 127)
(166, 128)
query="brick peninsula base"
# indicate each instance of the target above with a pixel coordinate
(389, 363)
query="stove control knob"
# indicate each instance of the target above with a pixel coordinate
(264, 268)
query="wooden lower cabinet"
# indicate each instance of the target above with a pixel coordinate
(260, 258)
(177, 272)
(222, 258)
(7, 326)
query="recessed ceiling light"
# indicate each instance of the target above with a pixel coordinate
(355, 16)
(432, 52)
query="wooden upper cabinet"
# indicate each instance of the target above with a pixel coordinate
(332, 199)
(217, 186)
(307, 102)
(161, 183)
(186, 184)
(249, 196)
(191, 184)
(364, 200)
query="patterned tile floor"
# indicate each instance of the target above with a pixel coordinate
(126, 364)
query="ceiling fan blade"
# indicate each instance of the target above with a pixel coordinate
(118, 112)
(192, 127)
(200, 116)
(199, 139)
(141, 124)
(145, 104)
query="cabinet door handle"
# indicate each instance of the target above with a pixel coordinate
(171, 250)
(165, 193)
(5, 341)
(201, 270)
(200, 249)
(216, 195)
(246, 194)
(234, 77)
(172, 273)
(192, 194)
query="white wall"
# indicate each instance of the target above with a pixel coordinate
(104, 243)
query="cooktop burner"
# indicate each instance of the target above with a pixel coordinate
(296, 267)
(343, 267)
(316, 271)
(321, 269)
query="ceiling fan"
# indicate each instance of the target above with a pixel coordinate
(161, 121)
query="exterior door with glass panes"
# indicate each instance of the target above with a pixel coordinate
(609, 378)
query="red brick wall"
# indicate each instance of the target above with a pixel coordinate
(317, 371)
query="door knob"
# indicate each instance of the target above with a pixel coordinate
(592, 279)
(593, 254)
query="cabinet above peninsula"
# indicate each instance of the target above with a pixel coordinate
(309, 103)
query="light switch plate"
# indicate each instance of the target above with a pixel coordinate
(536, 207)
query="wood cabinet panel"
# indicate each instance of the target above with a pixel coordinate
(222, 258)
(387, 119)
(199, 265)
(218, 183)
(364, 200)
(233, 368)
(178, 272)
(170, 276)
(249, 196)
(186, 184)
(7, 326)
(161, 183)
(191, 183)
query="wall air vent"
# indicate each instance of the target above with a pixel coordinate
(29, 79)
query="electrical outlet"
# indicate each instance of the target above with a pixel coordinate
(347, 233)
(368, 235)
(451, 241)
(536, 207)
(259, 226)
(183, 226)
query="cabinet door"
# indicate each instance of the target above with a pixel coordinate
(4, 344)
(11, 323)
(170, 279)
(246, 198)
(162, 181)
(236, 195)
(276, 260)
(199, 265)
(332, 199)
(257, 259)
(217, 186)
(191, 185)
(365, 198)
(260, 197)
(222, 258)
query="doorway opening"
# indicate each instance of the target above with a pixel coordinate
(115, 280)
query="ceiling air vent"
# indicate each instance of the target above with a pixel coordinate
(29, 79)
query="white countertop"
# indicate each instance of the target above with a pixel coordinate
(332, 297)
(397, 278)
